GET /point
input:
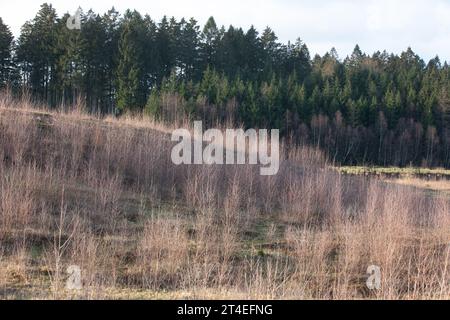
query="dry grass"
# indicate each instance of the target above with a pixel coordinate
(103, 194)
(435, 185)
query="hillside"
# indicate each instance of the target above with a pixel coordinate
(102, 194)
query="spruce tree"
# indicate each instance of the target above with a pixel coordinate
(132, 89)
(6, 63)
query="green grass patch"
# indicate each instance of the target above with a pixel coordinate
(394, 171)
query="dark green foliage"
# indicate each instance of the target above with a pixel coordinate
(131, 73)
(38, 54)
(153, 106)
(6, 63)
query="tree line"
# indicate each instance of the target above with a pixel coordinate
(381, 109)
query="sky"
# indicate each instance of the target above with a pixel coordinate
(392, 25)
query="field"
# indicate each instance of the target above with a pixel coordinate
(424, 173)
(422, 178)
(103, 195)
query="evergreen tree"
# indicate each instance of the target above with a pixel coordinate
(37, 55)
(189, 43)
(112, 26)
(6, 63)
(132, 88)
(165, 44)
(210, 38)
(271, 53)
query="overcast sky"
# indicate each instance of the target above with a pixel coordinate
(375, 25)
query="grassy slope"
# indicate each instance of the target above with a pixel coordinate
(264, 237)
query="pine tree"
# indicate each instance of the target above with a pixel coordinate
(111, 22)
(253, 55)
(37, 56)
(153, 106)
(94, 40)
(210, 38)
(6, 63)
(231, 57)
(189, 43)
(132, 89)
(165, 40)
